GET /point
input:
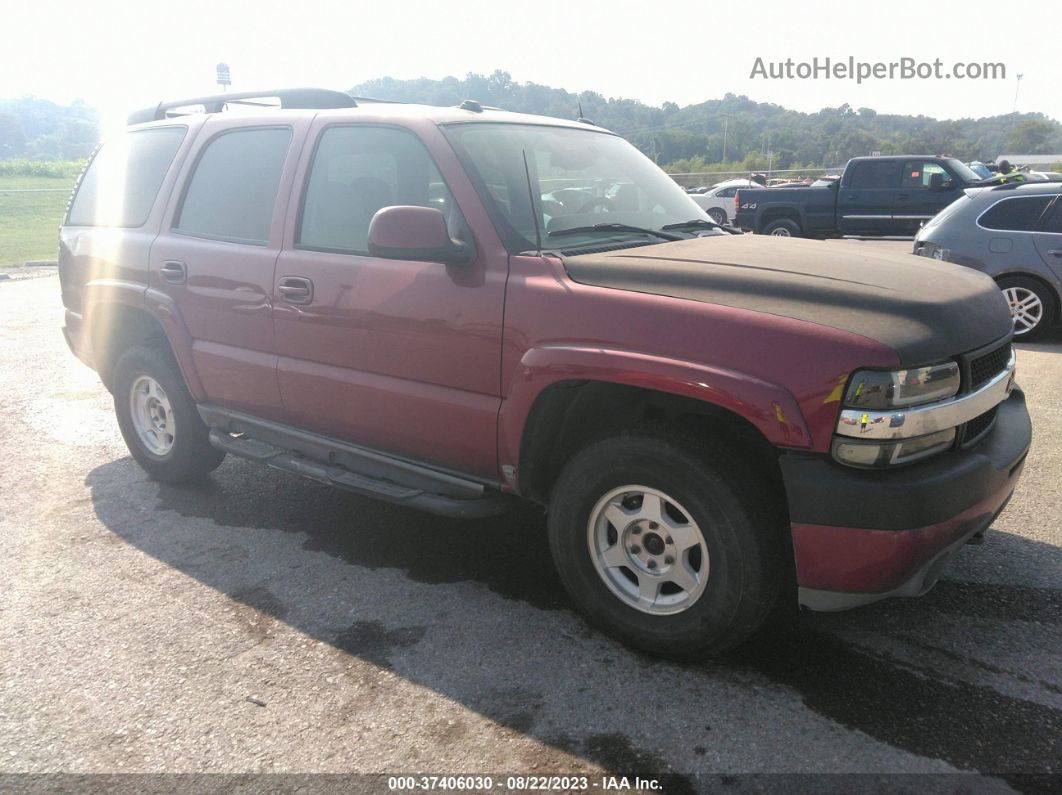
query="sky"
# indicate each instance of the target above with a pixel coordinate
(122, 55)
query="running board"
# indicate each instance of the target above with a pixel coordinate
(337, 463)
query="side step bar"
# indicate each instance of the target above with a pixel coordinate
(350, 467)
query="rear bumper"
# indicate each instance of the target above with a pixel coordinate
(860, 536)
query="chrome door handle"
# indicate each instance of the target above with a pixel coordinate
(174, 272)
(295, 290)
(1055, 252)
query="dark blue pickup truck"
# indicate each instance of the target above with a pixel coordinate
(876, 196)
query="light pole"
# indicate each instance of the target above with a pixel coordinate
(1017, 88)
(726, 124)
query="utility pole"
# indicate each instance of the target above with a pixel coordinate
(1017, 88)
(726, 124)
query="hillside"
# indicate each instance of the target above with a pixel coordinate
(691, 138)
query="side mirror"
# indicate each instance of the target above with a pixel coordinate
(936, 182)
(415, 233)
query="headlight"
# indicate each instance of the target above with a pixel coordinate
(872, 392)
(882, 454)
(880, 391)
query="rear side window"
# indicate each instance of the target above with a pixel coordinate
(1018, 214)
(233, 189)
(876, 174)
(357, 171)
(120, 185)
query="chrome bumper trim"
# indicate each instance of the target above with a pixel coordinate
(929, 418)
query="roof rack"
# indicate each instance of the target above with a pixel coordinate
(303, 98)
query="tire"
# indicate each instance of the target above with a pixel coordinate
(782, 227)
(1032, 305)
(740, 568)
(717, 215)
(159, 421)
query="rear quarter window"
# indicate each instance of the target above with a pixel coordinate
(121, 184)
(1015, 214)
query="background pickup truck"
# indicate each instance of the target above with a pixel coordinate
(875, 196)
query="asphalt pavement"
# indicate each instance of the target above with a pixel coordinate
(258, 623)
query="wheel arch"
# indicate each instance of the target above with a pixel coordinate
(550, 414)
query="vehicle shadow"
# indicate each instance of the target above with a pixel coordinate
(527, 662)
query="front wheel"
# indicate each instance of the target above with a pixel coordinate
(664, 543)
(158, 418)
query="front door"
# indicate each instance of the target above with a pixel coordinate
(215, 259)
(926, 188)
(398, 355)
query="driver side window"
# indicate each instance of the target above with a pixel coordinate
(919, 175)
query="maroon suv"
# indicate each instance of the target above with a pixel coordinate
(452, 308)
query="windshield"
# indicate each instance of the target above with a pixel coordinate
(963, 171)
(579, 179)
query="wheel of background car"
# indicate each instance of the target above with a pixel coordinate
(604, 201)
(717, 215)
(782, 227)
(666, 543)
(158, 418)
(1032, 306)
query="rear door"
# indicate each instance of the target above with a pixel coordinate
(1048, 237)
(917, 202)
(402, 356)
(867, 197)
(215, 255)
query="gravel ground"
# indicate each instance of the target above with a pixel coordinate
(260, 623)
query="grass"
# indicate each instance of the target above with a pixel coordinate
(29, 222)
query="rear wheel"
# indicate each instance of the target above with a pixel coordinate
(1031, 305)
(782, 227)
(664, 543)
(158, 418)
(717, 215)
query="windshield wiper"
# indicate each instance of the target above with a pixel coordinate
(694, 222)
(613, 227)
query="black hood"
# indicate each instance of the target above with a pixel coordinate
(923, 309)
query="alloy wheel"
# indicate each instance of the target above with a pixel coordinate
(648, 550)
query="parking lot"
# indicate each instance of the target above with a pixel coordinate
(261, 623)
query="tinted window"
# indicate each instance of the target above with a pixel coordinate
(1052, 222)
(727, 193)
(1015, 215)
(357, 171)
(876, 174)
(234, 187)
(918, 174)
(120, 185)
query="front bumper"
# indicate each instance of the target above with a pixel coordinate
(864, 535)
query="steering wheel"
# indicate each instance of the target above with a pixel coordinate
(604, 201)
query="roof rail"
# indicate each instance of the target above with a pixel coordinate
(305, 98)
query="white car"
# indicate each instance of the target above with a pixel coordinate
(718, 201)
